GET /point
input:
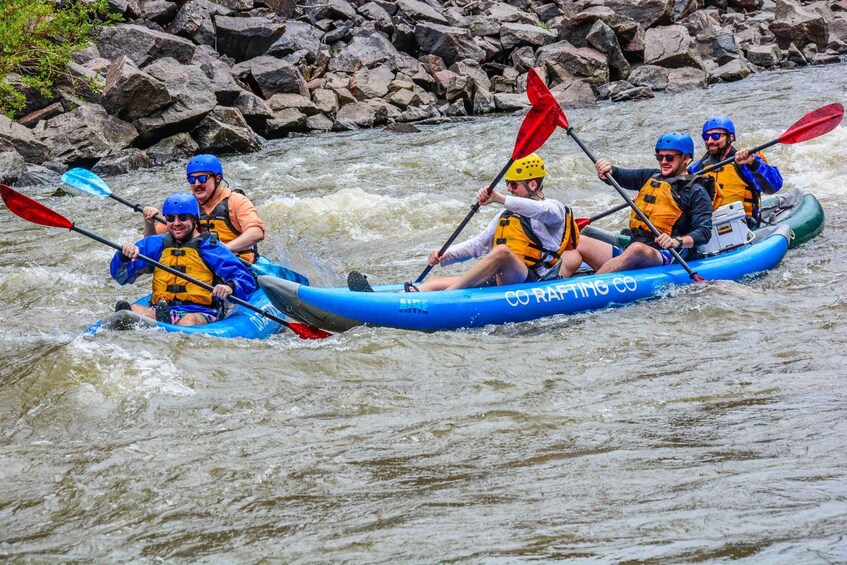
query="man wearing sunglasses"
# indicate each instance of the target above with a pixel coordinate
(228, 213)
(742, 181)
(677, 204)
(199, 255)
(532, 238)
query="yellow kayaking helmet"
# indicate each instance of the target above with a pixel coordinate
(529, 167)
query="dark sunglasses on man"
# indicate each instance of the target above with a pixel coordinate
(171, 218)
(668, 158)
(198, 178)
(713, 136)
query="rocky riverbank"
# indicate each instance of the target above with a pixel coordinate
(182, 77)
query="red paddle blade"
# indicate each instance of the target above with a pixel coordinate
(536, 90)
(305, 331)
(821, 121)
(29, 209)
(537, 126)
(582, 222)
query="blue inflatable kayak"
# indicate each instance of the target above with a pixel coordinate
(240, 322)
(339, 309)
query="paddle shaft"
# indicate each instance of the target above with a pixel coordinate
(632, 204)
(233, 299)
(753, 151)
(582, 222)
(474, 210)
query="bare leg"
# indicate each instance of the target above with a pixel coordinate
(500, 263)
(436, 283)
(594, 252)
(192, 320)
(144, 311)
(636, 256)
(569, 263)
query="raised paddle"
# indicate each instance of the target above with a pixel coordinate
(537, 126)
(814, 124)
(540, 89)
(89, 182)
(37, 213)
(582, 222)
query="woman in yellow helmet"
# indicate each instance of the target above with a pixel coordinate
(533, 237)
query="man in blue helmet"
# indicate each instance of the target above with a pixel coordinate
(742, 181)
(228, 213)
(199, 255)
(677, 204)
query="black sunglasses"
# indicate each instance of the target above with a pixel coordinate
(514, 183)
(668, 158)
(202, 178)
(170, 218)
(713, 136)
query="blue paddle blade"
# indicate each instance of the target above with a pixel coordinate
(265, 267)
(86, 181)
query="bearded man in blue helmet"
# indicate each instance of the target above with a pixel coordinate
(744, 180)
(679, 205)
(198, 255)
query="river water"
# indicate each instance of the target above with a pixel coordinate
(705, 426)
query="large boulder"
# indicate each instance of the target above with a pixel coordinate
(512, 35)
(603, 38)
(142, 45)
(85, 135)
(798, 25)
(421, 11)
(12, 164)
(648, 13)
(177, 147)
(195, 21)
(269, 75)
(246, 38)
(193, 98)
(671, 46)
(22, 140)
(296, 37)
(764, 55)
(363, 51)
(450, 43)
(580, 62)
(224, 130)
(220, 77)
(131, 93)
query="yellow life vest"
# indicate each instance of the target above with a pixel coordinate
(219, 222)
(516, 232)
(728, 179)
(186, 259)
(656, 200)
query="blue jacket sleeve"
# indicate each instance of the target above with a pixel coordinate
(632, 179)
(229, 269)
(762, 176)
(125, 271)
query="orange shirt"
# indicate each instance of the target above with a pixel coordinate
(242, 213)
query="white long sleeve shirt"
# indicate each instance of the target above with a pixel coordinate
(547, 218)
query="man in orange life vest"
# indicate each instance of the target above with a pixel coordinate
(744, 180)
(199, 255)
(532, 238)
(677, 204)
(228, 213)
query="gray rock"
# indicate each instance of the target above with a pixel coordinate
(142, 45)
(35, 175)
(359, 115)
(328, 9)
(581, 62)
(283, 8)
(297, 35)
(221, 81)
(246, 38)
(195, 20)
(510, 102)
(648, 13)
(764, 55)
(635, 93)
(269, 76)
(686, 78)
(506, 13)
(177, 147)
(22, 140)
(513, 34)
(279, 102)
(371, 83)
(603, 38)
(131, 93)
(85, 134)
(12, 165)
(798, 25)
(363, 52)
(421, 12)
(122, 161)
(656, 78)
(224, 130)
(736, 69)
(326, 100)
(193, 99)
(319, 122)
(724, 48)
(450, 43)
(671, 46)
(613, 88)
(284, 122)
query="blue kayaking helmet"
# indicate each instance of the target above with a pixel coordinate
(720, 122)
(181, 203)
(204, 164)
(676, 141)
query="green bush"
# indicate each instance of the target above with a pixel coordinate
(37, 38)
